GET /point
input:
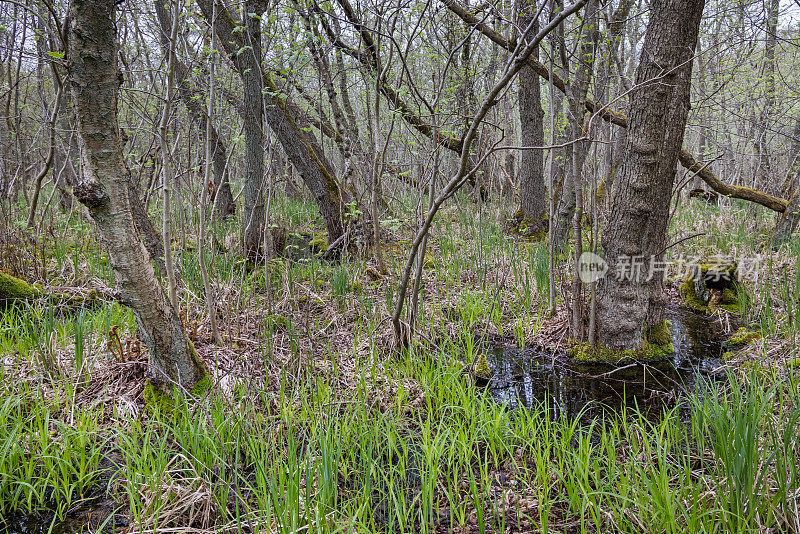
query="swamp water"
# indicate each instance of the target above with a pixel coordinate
(529, 376)
(522, 377)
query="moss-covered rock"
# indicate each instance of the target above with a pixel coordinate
(743, 336)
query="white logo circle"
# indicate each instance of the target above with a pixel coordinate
(591, 267)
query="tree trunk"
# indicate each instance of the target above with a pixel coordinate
(575, 154)
(104, 187)
(222, 197)
(787, 221)
(659, 105)
(286, 121)
(762, 147)
(531, 217)
(254, 220)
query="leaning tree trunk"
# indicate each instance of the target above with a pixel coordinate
(103, 189)
(222, 196)
(531, 218)
(659, 105)
(286, 121)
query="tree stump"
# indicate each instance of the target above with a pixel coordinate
(712, 285)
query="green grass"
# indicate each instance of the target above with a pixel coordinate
(328, 466)
(347, 435)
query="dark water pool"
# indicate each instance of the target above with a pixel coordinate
(530, 376)
(95, 515)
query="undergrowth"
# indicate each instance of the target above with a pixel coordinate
(317, 423)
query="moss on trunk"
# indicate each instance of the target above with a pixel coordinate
(656, 344)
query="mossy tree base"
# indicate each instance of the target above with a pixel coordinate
(656, 345)
(533, 228)
(158, 401)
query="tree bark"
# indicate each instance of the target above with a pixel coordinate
(576, 92)
(104, 188)
(637, 225)
(787, 222)
(254, 220)
(761, 145)
(532, 214)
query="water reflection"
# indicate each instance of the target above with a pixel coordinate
(529, 376)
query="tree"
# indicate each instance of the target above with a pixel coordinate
(287, 123)
(103, 188)
(630, 307)
(787, 221)
(532, 216)
(254, 220)
(222, 195)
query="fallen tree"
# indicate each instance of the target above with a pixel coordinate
(14, 289)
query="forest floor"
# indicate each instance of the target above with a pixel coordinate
(318, 423)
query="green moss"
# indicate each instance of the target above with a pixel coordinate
(157, 401)
(600, 194)
(14, 288)
(318, 244)
(728, 300)
(690, 298)
(743, 336)
(656, 344)
(586, 353)
(533, 228)
(161, 402)
(793, 364)
(659, 340)
(729, 296)
(202, 388)
(482, 368)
